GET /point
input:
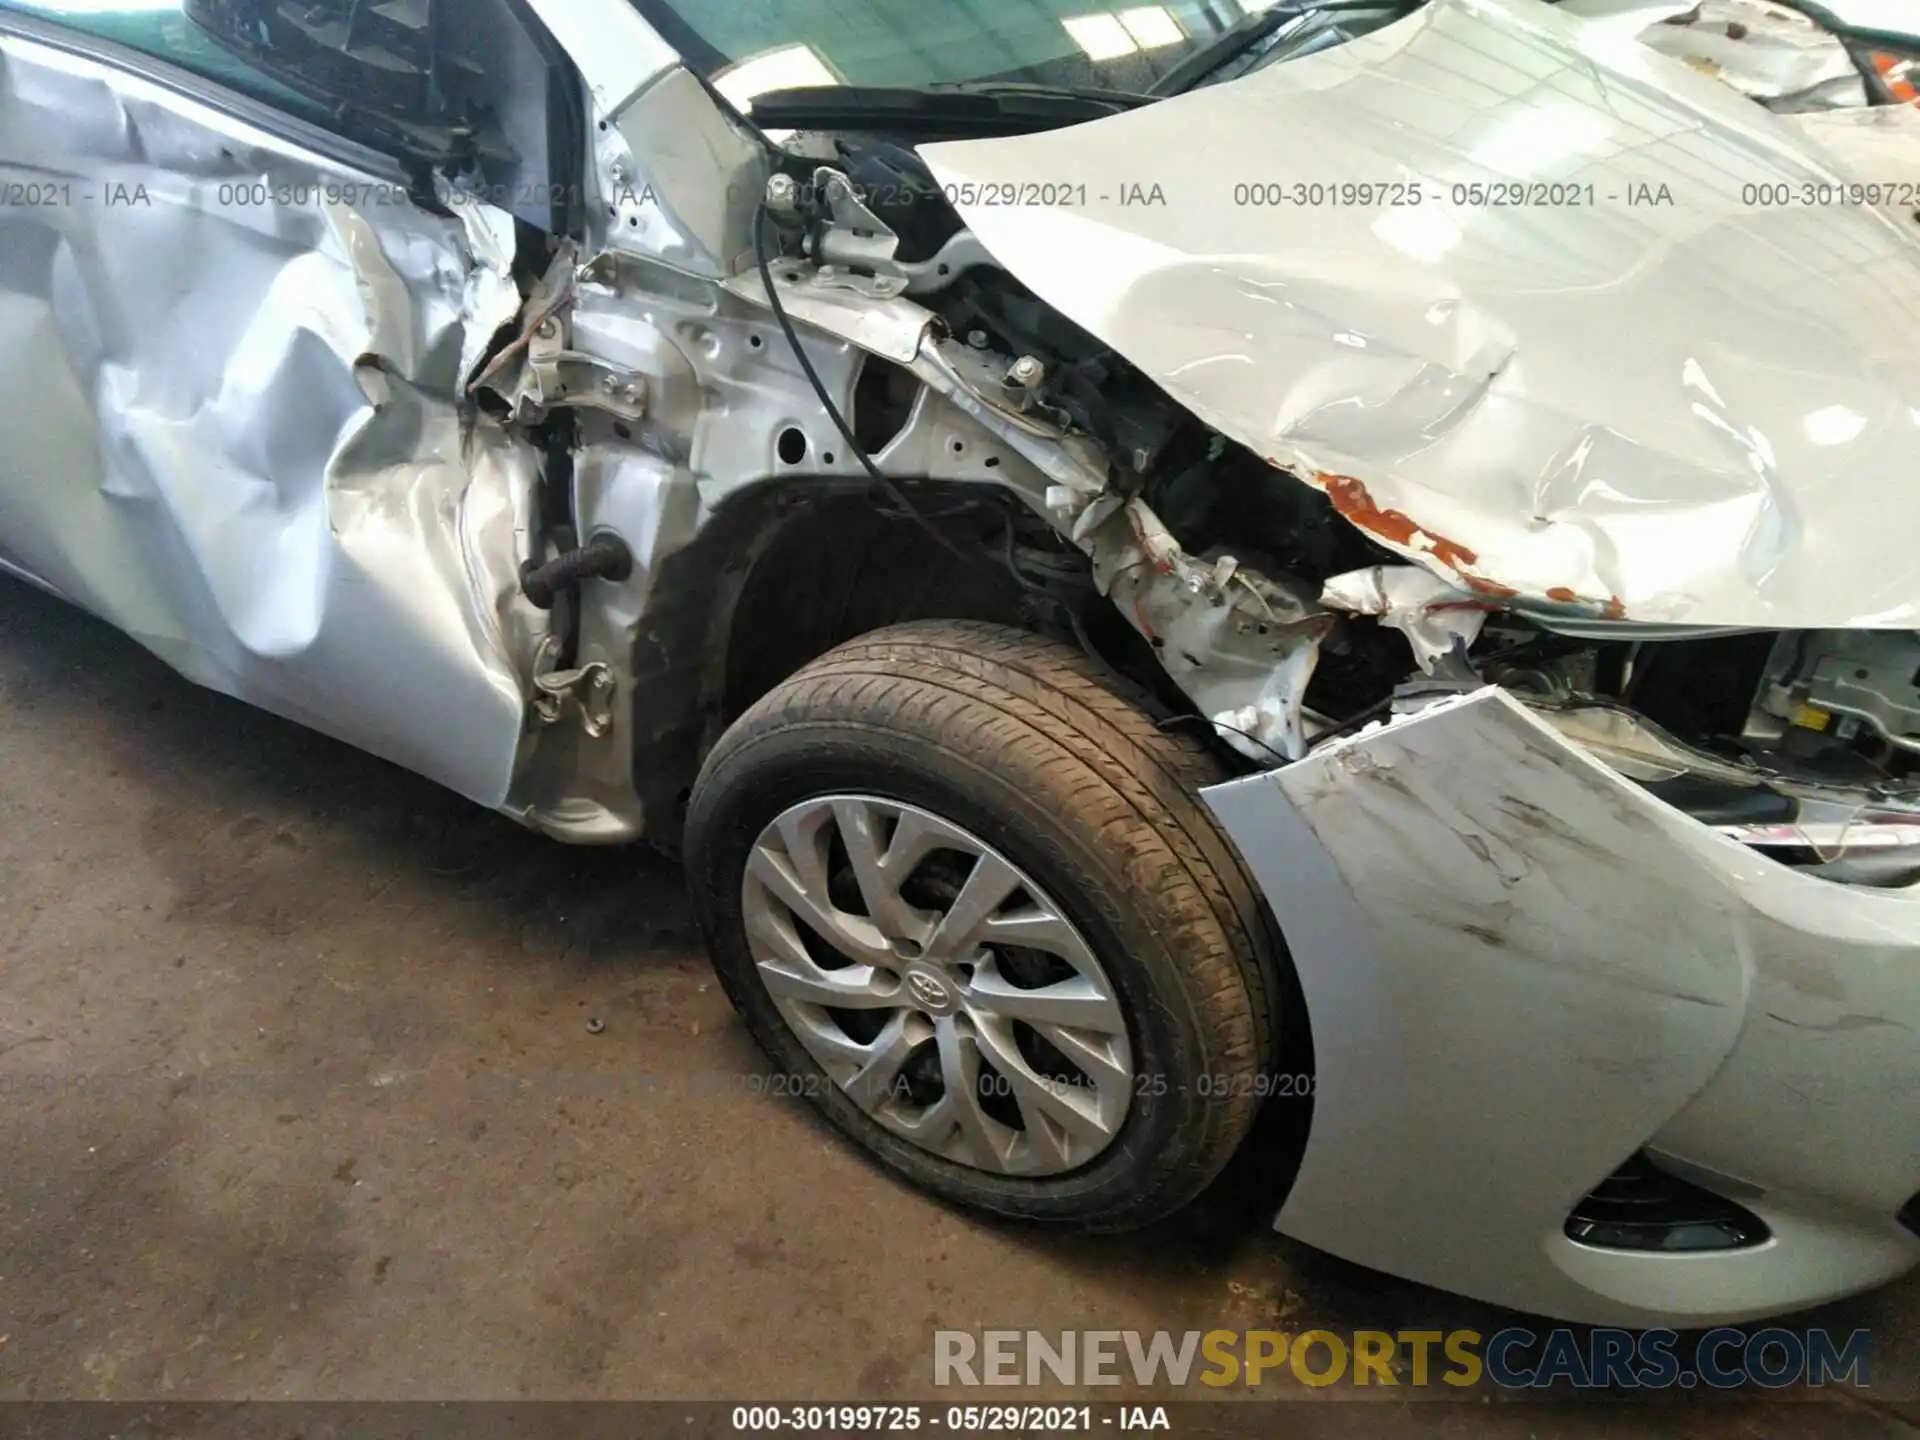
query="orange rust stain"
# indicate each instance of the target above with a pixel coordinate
(1481, 586)
(1612, 608)
(1349, 496)
(1351, 499)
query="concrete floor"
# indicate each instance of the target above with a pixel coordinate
(298, 1099)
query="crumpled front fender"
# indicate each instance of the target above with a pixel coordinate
(1520, 969)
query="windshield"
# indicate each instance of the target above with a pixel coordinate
(750, 47)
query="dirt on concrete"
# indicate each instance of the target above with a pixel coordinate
(299, 1098)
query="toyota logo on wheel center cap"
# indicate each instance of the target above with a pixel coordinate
(931, 992)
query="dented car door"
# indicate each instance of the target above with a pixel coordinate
(232, 421)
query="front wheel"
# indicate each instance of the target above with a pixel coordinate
(967, 896)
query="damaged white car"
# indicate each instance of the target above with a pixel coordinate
(1354, 555)
(1796, 57)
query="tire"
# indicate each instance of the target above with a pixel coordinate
(1024, 746)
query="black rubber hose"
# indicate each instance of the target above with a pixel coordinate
(605, 557)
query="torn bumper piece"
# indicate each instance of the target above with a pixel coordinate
(1522, 969)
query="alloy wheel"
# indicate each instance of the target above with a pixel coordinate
(937, 985)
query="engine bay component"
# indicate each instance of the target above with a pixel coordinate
(1242, 645)
(1279, 604)
(1435, 617)
(1840, 684)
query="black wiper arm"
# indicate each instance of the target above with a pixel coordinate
(941, 112)
(1238, 38)
(1018, 89)
(1243, 35)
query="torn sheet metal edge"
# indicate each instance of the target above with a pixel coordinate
(1240, 645)
(1434, 615)
(1626, 18)
(1580, 410)
(1517, 963)
(1777, 51)
(492, 295)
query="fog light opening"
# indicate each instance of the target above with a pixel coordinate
(1641, 1207)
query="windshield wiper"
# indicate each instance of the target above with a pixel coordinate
(1231, 43)
(1245, 34)
(939, 112)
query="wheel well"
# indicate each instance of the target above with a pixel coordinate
(842, 567)
(785, 571)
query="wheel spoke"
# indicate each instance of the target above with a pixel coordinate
(915, 836)
(986, 889)
(1069, 1106)
(867, 1071)
(852, 936)
(932, 1129)
(1077, 1003)
(1102, 1067)
(804, 836)
(839, 1053)
(855, 988)
(878, 878)
(960, 1069)
(873, 1083)
(943, 975)
(771, 937)
(1036, 929)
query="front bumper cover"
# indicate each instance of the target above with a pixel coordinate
(1520, 969)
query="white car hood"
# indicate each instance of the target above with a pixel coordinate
(1890, 17)
(1699, 412)
(1897, 18)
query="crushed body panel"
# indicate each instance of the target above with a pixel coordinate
(1628, 393)
(1763, 50)
(233, 430)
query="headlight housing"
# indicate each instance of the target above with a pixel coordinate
(1893, 76)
